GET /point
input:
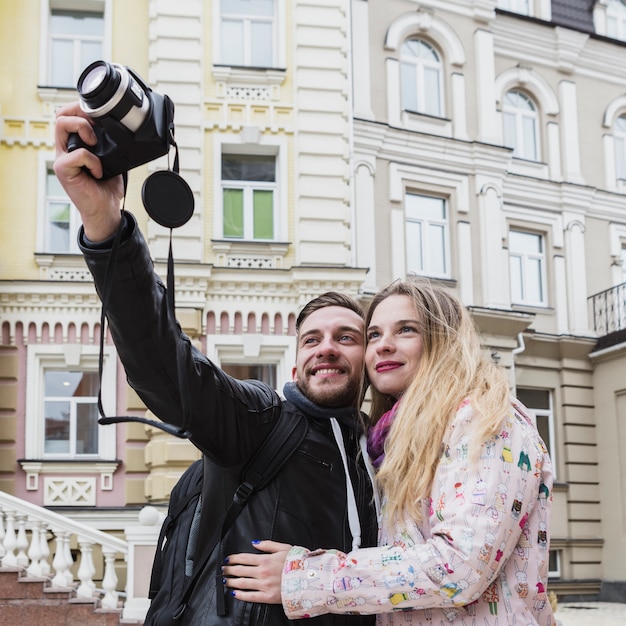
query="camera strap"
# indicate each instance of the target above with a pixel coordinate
(106, 293)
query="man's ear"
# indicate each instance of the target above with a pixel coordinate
(294, 373)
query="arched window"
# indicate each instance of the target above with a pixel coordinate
(519, 116)
(616, 19)
(619, 139)
(420, 78)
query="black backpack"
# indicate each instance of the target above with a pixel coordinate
(173, 577)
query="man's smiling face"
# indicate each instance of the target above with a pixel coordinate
(329, 360)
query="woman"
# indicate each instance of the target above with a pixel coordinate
(465, 480)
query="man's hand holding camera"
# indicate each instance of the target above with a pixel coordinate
(79, 172)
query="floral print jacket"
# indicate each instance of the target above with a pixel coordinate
(478, 558)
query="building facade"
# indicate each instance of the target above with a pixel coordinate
(330, 144)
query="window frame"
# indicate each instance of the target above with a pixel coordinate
(278, 39)
(249, 187)
(615, 14)
(69, 357)
(525, 301)
(43, 230)
(232, 143)
(80, 6)
(426, 240)
(420, 66)
(519, 117)
(550, 420)
(255, 349)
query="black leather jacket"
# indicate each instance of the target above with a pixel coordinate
(306, 504)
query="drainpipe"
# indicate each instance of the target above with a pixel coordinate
(521, 346)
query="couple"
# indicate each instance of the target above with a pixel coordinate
(464, 477)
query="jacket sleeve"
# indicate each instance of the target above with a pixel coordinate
(469, 531)
(228, 418)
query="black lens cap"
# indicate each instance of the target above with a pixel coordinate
(168, 199)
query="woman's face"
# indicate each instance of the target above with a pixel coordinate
(394, 345)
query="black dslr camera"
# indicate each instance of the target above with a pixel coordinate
(134, 125)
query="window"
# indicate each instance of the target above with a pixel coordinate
(539, 401)
(623, 262)
(554, 564)
(616, 19)
(247, 33)
(248, 194)
(263, 372)
(76, 40)
(61, 218)
(427, 241)
(420, 78)
(61, 403)
(527, 268)
(520, 125)
(619, 138)
(515, 6)
(71, 413)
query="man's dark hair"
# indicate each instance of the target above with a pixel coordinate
(330, 298)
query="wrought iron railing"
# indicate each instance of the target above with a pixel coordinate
(609, 310)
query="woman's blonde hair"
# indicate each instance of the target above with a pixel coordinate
(452, 368)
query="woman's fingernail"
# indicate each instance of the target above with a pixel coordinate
(226, 560)
(233, 594)
(255, 541)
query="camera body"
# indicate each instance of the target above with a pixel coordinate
(133, 124)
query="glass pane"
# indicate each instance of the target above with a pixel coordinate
(232, 43)
(248, 168)
(425, 207)
(510, 136)
(530, 138)
(62, 64)
(71, 384)
(543, 426)
(57, 427)
(517, 292)
(263, 217)
(265, 373)
(248, 7)
(261, 44)
(534, 398)
(90, 51)
(58, 227)
(527, 243)
(414, 250)
(233, 213)
(534, 286)
(408, 82)
(620, 161)
(76, 23)
(432, 101)
(437, 249)
(86, 428)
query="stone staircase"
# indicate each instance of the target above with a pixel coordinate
(31, 601)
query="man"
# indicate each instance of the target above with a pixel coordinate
(310, 500)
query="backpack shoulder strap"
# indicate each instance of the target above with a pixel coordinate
(283, 440)
(188, 487)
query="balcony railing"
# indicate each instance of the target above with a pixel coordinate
(609, 310)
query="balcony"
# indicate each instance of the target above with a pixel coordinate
(609, 316)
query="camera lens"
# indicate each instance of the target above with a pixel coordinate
(98, 84)
(109, 90)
